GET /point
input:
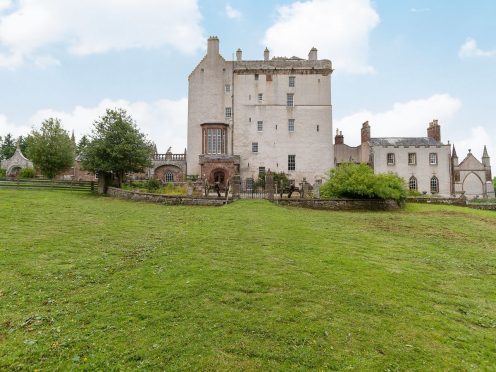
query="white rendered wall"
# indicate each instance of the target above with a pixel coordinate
(423, 171)
(312, 99)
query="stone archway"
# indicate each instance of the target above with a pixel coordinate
(218, 176)
(473, 185)
(13, 171)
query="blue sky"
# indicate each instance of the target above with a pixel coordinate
(398, 64)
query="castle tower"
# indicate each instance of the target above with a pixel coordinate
(365, 132)
(454, 157)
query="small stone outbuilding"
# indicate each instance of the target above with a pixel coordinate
(16, 162)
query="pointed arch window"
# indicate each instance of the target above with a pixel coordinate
(434, 185)
(412, 183)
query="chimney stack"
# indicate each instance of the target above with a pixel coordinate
(239, 55)
(312, 56)
(434, 131)
(365, 132)
(266, 54)
(213, 46)
(339, 139)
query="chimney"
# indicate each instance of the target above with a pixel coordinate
(312, 56)
(434, 131)
(213, 46)
(266, 54)
(339, 139)
(365, 132)
(239, 55)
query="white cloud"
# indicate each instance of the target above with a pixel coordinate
(99, 26)
(469, 49)
(5, 4)
(339, 29)
(232, 13)
(407, 119)
(164, 121)
(477, 138)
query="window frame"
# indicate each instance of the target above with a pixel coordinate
(260, 97)
(433, 158)
(392, 156)
(290, 100)
(434, 185)
(260, 126)
(169, 176)
(291, 125)
(257, 77)
(292, 81)
(227, 88)
(413, 181)
(291, 163)
(412, 155)
(228, 112)
(254, 147)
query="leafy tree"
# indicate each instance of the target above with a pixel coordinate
(116, 146)
(359, 181)
(51, 149)
(83, 142)
(27, 173)
(8, 147)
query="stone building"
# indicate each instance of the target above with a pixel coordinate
(472, 177)
(16, 162)
(246, 117)
(424, 162)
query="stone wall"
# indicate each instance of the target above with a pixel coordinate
(448, 201)
(165, 199)
(342, 204)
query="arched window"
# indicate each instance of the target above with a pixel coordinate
(434, 185)
(169, 177)
(412, 184)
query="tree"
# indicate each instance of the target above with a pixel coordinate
(494, 184)
(83, 142)
(116, 146)
(51, 149)
(359, 181)
(7, 147)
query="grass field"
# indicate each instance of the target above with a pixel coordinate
(95, 283)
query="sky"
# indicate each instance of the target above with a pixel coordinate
(397, 64)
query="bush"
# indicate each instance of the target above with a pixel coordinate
(358, 181)
(3, 172)
(27, 173)
(153, 185)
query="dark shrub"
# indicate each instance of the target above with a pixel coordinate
(153, 185)
(27, 173)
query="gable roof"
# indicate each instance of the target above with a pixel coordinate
(470, 163)
(404, 141)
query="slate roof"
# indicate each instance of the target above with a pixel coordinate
(404, 141)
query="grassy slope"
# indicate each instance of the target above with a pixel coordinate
(88, 282)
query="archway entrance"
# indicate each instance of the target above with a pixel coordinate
(219, 177)
(14, 171)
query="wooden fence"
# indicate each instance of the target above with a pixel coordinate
(44, 184)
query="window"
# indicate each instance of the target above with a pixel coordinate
(434, 185)
(169, 177)
(291, 162)
(228, 112)
(291, 125)
(228, 88)
(260, 97)
(291, 81)
(261, 171)
(216, 141)
(260, 126)
(390, 158)
(412, 183)
(254, 147)
(412, 159)
(317, 128)
(268, 77)
(433, 158)
(290, 100)
(256, 76)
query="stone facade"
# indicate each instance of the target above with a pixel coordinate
(427, 165)
(16, 162)
(267, 114)
(472, 177)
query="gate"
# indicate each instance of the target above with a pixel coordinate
(251, 189)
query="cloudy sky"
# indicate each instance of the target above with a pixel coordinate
(398, 64)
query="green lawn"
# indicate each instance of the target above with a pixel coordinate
(89, 283)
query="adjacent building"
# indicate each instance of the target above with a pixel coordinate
(425, 163)
(246, 117)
